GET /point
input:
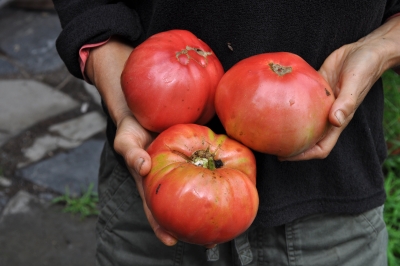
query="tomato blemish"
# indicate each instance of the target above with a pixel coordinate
(158, 187)
(327, 92)
(192, 53)
(218, 163)
(279, 69)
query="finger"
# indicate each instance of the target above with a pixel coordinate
(160, 233)
(343, 109)
(129, 142)
(135, 157)
(331, 69)
(353, 88)
(321, 149)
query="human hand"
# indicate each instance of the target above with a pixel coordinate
(103, 68)
(130, 141)
(351, 71)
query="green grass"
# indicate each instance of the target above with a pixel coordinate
(85, 205)
(391, 166)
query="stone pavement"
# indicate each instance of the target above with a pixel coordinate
(51, 136)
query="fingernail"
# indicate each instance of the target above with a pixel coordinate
(138, 165)
(340, 116)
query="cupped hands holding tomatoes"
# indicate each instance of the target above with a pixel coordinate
(198, 181)
(273, 103)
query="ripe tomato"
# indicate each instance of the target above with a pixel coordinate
(170, 79)
(274, 103)
(201, 187)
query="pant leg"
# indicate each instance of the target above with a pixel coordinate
(124, 236)
(342, 240)
(323, 240)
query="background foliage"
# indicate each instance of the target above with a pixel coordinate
(391, 166)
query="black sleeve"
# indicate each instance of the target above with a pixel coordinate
(92, 21)
(392, 8)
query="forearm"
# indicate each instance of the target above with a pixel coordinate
(103, 68)
(385, 41)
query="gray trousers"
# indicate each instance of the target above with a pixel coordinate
(124, 236)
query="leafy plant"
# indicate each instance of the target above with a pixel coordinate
(392, 217)
(391, 120)
(391, 166)
(85, 205)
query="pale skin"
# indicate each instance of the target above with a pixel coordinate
(350, 70)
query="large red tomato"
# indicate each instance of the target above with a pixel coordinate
(201, 187)
(274, 103)
(170, 79)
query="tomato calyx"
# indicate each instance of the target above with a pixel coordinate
(204, 158)
(184, 56)
(279, 69)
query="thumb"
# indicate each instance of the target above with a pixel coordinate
(351, 92)
(129, 142)
(137, 159)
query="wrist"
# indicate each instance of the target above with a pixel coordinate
(103, 68)
(120, 114)
(84, 54)
(385, 41)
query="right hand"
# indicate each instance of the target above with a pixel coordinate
(130, 141)
(103, 68)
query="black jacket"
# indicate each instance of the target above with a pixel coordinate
(350, 179)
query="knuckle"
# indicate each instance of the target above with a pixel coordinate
(130, 158)
(350, 104)
(324, 153)
(118, 144)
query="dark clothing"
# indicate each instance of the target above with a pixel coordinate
(124, 236)
(350, 179)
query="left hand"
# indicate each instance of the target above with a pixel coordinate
(103, 68)
(351, 71)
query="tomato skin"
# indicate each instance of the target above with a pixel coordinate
(170, 79)
(282, 115)
(196, 204)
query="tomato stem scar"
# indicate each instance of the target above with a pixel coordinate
(205, 158)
